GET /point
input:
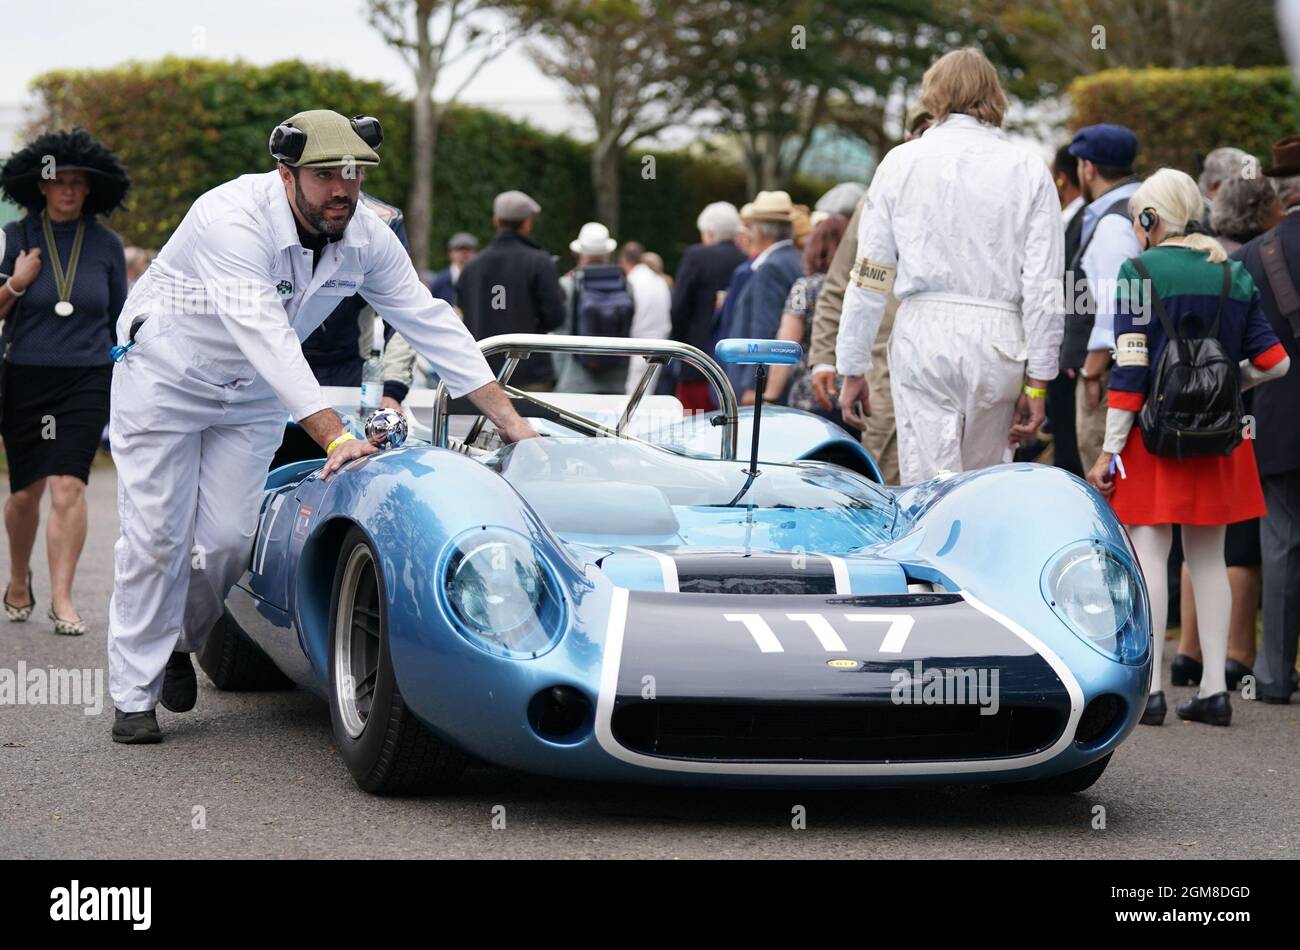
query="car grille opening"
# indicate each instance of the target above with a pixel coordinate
(833, 732)
(756, 584)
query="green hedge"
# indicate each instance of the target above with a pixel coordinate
(183, 126)
(1180, 115)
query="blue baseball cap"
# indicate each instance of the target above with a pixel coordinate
(1105, 145)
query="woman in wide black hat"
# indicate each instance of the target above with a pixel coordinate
(63, 284)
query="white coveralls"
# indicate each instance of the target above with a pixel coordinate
(198, 404)
(966, 227)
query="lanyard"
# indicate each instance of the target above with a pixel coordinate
(63, 281)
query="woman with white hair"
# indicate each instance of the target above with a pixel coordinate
(1184, 280)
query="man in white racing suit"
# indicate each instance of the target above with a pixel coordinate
(209, 358)
(966, 228)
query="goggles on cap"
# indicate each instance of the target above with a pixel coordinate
(288, 143)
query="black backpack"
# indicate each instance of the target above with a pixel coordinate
(602, 306)
(1193, 405)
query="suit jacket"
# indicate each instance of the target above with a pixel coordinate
(705, 270)
(1277, 437)
(443, 287)
(758, 311)
(512, 287)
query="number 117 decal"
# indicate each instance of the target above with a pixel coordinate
(899, 627)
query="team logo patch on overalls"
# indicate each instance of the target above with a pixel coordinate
(284, 288)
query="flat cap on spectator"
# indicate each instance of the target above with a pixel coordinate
(514, 206)
(1105, 144)
(462, 241)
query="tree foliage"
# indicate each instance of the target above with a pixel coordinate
(1052, 41)
(183, 127)
(622, 62)
(771, 74)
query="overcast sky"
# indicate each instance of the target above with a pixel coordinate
(39, 35)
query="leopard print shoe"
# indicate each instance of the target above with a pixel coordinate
(20, 614)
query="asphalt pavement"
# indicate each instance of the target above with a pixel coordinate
(256, 775)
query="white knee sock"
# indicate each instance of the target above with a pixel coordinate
(1203, 549)
(1152, 543)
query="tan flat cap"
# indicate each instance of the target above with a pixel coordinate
(331, 140)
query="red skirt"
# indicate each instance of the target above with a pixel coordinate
(1205, 490)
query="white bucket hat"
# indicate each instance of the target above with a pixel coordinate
(594, 240)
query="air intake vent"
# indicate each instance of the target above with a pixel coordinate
(835, 732)
(724, 574)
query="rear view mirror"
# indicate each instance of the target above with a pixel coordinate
(739, 352)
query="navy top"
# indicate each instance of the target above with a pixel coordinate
(42, 337)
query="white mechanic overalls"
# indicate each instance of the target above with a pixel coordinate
(965, 226)
(199, 403)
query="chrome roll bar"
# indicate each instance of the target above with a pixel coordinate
(518, 346)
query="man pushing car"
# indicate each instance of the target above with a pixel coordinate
(209, 358)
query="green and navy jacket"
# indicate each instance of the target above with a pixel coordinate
(1189, 285)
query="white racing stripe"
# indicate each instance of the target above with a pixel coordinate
(841, 568)
(666, 565)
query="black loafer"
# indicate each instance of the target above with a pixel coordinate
(136, 728)
(1234, 672)
(180, 686)
(1156, 709)
(1274, 699)
(1214, 710)
(1184, 671)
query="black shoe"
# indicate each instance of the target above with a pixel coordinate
(180, 686)
(136, 727)
(1156, 709)
(1234, 672)
(1215, 710)
(1185, 671)
(1274, 699)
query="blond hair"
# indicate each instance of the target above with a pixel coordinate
(1174, 196)
(964, 81)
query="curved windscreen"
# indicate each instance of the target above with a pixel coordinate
(616, 487)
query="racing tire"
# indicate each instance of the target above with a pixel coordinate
(1068, 783)
(387, 750)
(234, 662)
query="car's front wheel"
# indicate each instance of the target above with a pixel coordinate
(387, 750)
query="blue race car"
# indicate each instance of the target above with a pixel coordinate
(626, 599)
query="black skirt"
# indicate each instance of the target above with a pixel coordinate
(53, 419)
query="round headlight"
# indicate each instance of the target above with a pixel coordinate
(501, 593)
(1097, 595)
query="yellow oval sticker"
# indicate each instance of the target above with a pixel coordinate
(843, 664)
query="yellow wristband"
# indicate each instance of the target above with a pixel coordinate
(345, 437)
(1034, 393)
